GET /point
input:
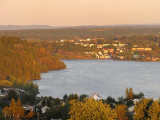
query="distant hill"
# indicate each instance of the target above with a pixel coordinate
(27, 27)
(83, 32)
(24, 27)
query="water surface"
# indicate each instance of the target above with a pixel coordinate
(105, 77)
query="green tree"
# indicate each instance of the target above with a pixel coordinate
(12, 94)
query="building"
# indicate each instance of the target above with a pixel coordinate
(99, 46)
(102, 57)
(142, 49)
(120, 57)
(105, 51)
(95, 96)
(99, 52)
(136, 57)
(115, 45)
(44, 109)
(106, 56)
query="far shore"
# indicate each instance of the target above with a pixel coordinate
(107, 59)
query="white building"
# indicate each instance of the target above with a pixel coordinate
(96, 96)
(44, 109)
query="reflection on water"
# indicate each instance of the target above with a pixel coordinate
(106, 77)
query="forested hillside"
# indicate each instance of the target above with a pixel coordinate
(24, 61)
(107, 32)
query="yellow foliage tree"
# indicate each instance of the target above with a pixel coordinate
(5, 83)
(140, 109)
(154, 111)
(121, 112)
(129, 93)
(91, 110)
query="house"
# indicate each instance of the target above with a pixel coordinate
(155, 59)
(28, 108)
(148, 49)
(102, 57)
(39, 102)
(88, 39)
(44, 109)
(99, 46)
(97, 56)
(136, 57)
(105, 51)
(96, 96)
(106, 56)
(111, 50)
(142, 49)
(99, 52)
(92, 53)
(1, 95)
(62, 40)
(131, 110)
(135, 46)
(121, 44)
(91, 45)
(85, 45)
(120, 57)
(115, 45)
(137, 100)
(106, 45)
(121, 51)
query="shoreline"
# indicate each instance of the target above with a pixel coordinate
(106, 59)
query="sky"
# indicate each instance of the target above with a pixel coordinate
(79, 12)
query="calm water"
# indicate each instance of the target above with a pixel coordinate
(105, 77)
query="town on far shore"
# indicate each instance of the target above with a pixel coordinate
(100, 48)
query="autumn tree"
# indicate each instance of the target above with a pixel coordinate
(91, 109)
(30, 114)
(142, 109)
(129, 94)
(15, 110)
(154, 111)
(19, 109)
(121, 111)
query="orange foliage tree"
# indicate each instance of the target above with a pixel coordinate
(15, 110)
(121, 111)
(129, 93)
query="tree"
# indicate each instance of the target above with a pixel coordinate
(15, 110)
(65, 111)
(25, 98)
(19, 109)
(154, 111)
(82, 97)
(65, 98)
(30, 114)
(110, 101)
(73, 96)
(55, 109)
(91, 109)
(141, 109)
(129, 94)
(121, 111)
(139, 95)
(12, 94)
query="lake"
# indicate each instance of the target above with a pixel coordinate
(105, 77)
